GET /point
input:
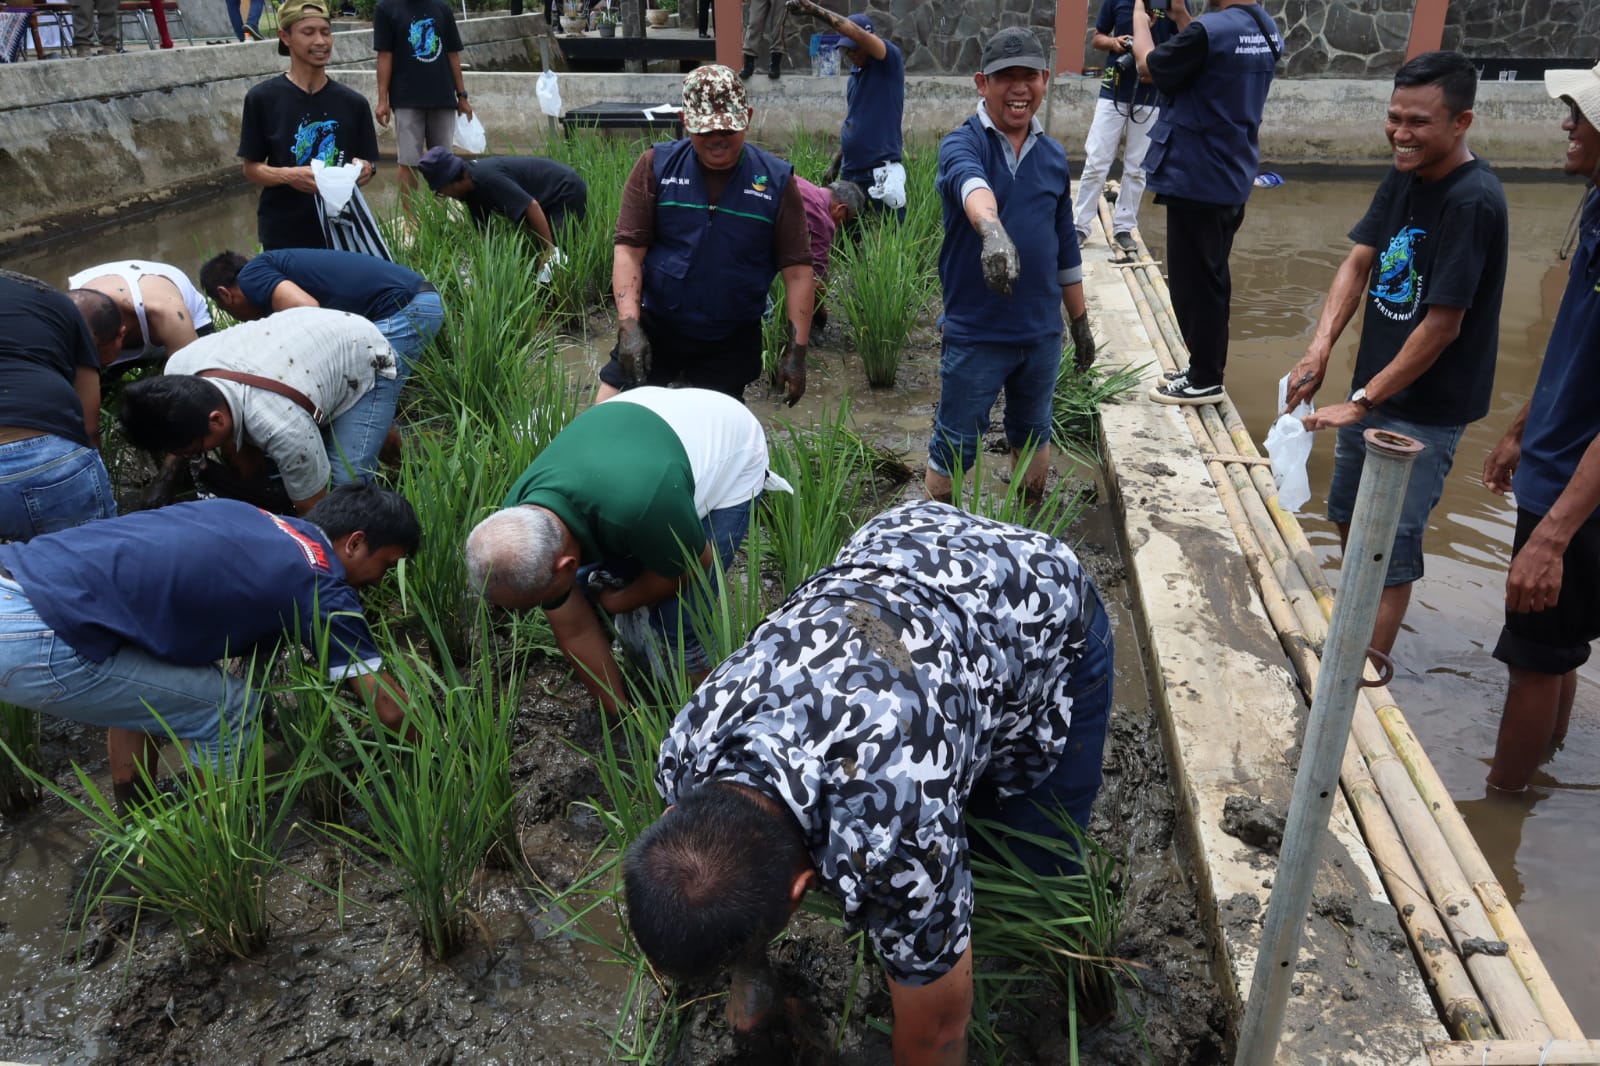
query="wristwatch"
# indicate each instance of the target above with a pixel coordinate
(461, 94)
(1359, 398)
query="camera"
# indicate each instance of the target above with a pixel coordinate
(1126, 63)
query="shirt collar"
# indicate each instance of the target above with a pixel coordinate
(1013, 157)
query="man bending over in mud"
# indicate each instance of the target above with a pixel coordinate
(945, 665)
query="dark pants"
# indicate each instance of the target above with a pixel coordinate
(726, 365)
(1073, 784)
(1199, 239)
(863, 180)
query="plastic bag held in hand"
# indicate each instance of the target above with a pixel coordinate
(1289, 445)
(470, 136)
(889, 185)
(335, 184)
(549, 94)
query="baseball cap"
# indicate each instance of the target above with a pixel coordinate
(714, 101)
(862, 20)
(1013, 47)
(1582, 87)
(440, 166)
(295, 10)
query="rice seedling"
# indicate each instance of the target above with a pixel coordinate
(887, 285)
(200, 853)
(1075, 416)
(437, 802)
(1053, 513)
(581, 283)
(19, 731)
(775, 331)
(724, 605)
(1058, 929)
(835, 475)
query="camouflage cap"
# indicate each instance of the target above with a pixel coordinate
(714, 101)
(293, 11)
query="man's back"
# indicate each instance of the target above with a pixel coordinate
(363, 285)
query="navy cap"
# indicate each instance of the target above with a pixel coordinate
(862, 20)
(440, 166)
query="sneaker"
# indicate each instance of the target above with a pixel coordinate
(1181, 392)
(1083, 237)
(253, 34)
(1125, 241)
(1175, 375)
(748, 71)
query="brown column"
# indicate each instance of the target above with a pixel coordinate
(1427, 27)
(1072, 20)
(730, 33)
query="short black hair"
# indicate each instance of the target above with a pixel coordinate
(1452, 72)
(100, 312)
(385, 516)
(221, 270)
(164, 414)
(709, 883)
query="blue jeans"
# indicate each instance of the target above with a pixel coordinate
(971, 376)
(203, 705)
(356, 437)
(49, 483)
(253, 20)
(410, 330)
(1075, 781)
(1423, 490)
(668, 621)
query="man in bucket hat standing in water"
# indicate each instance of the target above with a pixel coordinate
(706, 223)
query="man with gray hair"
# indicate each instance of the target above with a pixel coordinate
(613, 513)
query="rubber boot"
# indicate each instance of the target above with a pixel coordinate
(748, 71)
(776, 68)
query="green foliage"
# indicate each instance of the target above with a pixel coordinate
(1075, 416)
(19, 732)
(887, 286)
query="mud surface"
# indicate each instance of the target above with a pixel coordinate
(345, 979)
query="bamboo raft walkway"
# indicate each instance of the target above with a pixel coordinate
(1492, 999)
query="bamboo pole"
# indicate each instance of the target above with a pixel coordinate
(1577, 1052)
(1391, 743)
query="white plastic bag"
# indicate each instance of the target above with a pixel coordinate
(470, 136)
(548, 270)
(549, 94)
(889, 185)
(1289, 445)
(335, 184)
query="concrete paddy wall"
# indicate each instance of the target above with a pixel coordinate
(96, 138)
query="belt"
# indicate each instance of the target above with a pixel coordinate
(426, 286)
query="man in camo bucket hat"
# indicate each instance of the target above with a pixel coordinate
(706, 223)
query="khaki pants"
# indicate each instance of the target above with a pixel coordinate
(85, 16)
(763, 21)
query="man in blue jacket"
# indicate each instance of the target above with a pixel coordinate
(705, 224)
(1009, 261)
(1202, 165)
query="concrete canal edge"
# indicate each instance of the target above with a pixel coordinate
(1232, 718)
(94, 139)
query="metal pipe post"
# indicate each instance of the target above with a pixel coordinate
(1355, 610)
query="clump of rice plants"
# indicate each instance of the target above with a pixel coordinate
(1075, 415)
(19, 731)
(1054, 512)
(836, 477)
(436, 801)
(775, 332)
(886, 286)
(200, 853)
(581, 283)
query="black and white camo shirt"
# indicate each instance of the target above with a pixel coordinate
(937, 649)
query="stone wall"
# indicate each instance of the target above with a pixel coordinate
(1322, 38)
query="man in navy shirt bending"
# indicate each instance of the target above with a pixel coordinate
(1009, 260)
(122, 623)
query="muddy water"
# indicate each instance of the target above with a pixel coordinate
(1451, 689)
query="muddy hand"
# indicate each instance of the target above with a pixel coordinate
(1001, 267)
(792, 374)
(806, 7)
(831, 175)
(1082, 343)
(633, 351)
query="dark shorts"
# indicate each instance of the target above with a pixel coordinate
(726, 365)
(1556, 639)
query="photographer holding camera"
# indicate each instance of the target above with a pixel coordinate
(1202, 163)
(1129, 103)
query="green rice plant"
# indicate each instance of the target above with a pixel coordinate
(775, 331)
(724, 605)
(886, 286)
(1058, 929)
(19, 731)
(836, 476)
(808, 151)
(1054, 513)
(924, 213)
(438, 800)
(580, 284)
(1075, 415)
(201, 853)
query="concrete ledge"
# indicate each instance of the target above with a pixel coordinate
(1232, 719)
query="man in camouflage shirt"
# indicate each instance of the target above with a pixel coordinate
(945, 664)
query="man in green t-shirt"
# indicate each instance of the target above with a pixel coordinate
(614, 513)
